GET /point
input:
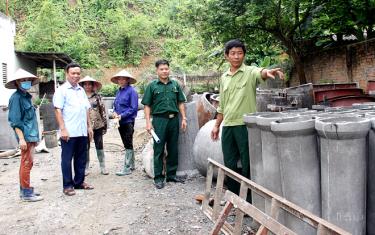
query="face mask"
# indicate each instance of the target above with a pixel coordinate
(26, 85)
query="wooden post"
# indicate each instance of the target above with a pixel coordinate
(54, 73)
(270, 223)
(207, 193)
(321, 230)
(239, 213)
(218, 193)
(274, 209)
(222, 218)
(262, 230)
(7, 7)
(267, 221)
(274, 214)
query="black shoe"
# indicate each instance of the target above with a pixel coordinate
(159, 185)
(176, 180)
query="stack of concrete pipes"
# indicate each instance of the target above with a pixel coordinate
(321, 161)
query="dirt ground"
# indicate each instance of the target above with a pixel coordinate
(117, 205)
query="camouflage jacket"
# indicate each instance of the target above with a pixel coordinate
(98, 116)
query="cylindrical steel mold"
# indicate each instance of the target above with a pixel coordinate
(370, 204)
(186, 166)
(270, 158)
(343, 146)
(299, 167)
(255, 156)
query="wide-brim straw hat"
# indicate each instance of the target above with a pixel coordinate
(215, 97)
(90, 79)
(19, 74)
(125, 74)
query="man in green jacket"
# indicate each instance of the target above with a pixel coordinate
(238, 97)
(164, 99)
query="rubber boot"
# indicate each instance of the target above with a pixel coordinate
(100, 154)
(29, 196)
(127, 158)
(132, 160)
(32, 188)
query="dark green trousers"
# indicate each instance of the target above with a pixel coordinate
(167, 129)
(235, 145)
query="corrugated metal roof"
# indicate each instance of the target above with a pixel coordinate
(45, 59)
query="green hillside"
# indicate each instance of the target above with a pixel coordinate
(112, 33)
(107, 34)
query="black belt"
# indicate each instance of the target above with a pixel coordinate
(165, 115)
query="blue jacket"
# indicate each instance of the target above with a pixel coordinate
(126, 104)
(22, 115)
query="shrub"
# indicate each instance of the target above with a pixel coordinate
(109, 90)
(38, 101)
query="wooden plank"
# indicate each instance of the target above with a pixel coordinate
(288, 206)
(222, 218)
(227, 229)
(322, 230)
(207, 192)
(218, 193)
(252, 185)
(262, 230)
(275, 209)
(270, 223)
(239, 214)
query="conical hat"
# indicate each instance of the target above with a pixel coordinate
(90, 79)
(216, 97)
(20, 73)
(123, 73)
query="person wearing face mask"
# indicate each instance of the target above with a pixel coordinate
(125, 110)
(22, 118)
(98, 118)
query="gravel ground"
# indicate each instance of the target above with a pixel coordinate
(117, 205)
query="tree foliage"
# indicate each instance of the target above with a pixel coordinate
(93, 32)
(113, 32)
(190, 33)
(46, 33)
(356, 17)
(297, 26)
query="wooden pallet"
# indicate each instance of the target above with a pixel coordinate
(268, 223)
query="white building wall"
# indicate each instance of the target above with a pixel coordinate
(7, 55)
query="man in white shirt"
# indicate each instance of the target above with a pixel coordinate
(72, 114)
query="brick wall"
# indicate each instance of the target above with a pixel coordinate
(351, 63)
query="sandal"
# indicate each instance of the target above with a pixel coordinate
(85, 186)
(69, 192)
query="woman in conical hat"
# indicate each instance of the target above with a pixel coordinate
(125, 110)
(22, 118)
(98, 118)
